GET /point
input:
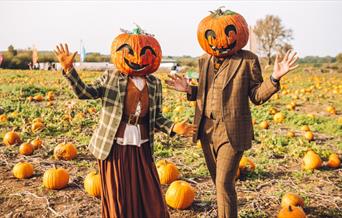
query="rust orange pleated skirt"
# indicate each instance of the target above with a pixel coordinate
(130, 184)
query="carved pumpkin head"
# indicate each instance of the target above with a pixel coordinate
(222, 33)
(136, 53)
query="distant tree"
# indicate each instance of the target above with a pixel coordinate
(12, 50)
(339, 58)
(272, 35)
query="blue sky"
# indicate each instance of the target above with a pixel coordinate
(316, 24)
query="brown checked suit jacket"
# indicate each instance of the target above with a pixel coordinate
(111, 89)
(243, 81)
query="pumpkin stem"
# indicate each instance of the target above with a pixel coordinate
(219, 10)
(290, 208)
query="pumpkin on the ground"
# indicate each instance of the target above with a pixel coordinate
(26, 149)
(36, 143)
(180, 195)
(38, 98)
(65, 151)
(305, 128)
(279, 117)
(246, 164)
(37, 126)
(3, 118)
(311, 161)
(92, 184)
(11, 138)
(291, 212)
(291, 134)
(292, 199)
(55, 178)
(334, 161)
(264, 124)
(167, 171)
(309, 136)
(22, 170)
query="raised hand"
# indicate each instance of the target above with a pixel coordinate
(286, 65)
(184, 129)
(178, 83)
(64, 57)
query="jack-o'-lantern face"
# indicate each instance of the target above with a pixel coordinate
(222, 33)
(136, 53)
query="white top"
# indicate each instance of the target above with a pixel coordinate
(132, 134)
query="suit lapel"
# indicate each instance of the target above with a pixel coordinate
(203, 74)
(231, 65)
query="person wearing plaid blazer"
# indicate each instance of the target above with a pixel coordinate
(129, 180)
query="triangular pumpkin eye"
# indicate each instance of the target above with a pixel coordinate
(210, 33)
(144, 49)
(229, 29)
(130, 50)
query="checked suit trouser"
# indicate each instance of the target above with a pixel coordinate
(223, 162)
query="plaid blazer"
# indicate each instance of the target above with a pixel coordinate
(243, 81)
(111, 88)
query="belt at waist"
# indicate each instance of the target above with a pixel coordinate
(134, 120)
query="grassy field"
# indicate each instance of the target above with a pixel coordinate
(303, 100)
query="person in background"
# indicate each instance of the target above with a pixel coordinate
(175, 69)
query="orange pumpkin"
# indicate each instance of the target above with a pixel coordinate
(309, 136)
(334, 161)
(26, 149)
(291, 212)
(311, 161)
(264, 125)
(279, 117)
(55, 178)
(222, 33)
(37, 143)
(180, 195)
(37, 126)
(136, 53)
(3, 118)
(305, 128)
(92, 184)
(292, 199)
(167, 171)
(38, 98)
(291, 134)
(22, 170)
(65, 151)
(11, 138)
(50, 96)
(246, 164)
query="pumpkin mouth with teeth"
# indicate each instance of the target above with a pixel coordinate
(136, 53)
(222, 33)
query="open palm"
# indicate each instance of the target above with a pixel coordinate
(64, 57)
(178, 83)
(286, 65)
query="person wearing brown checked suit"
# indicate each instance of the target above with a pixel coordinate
(229, 77)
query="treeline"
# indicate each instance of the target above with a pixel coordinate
(20, 59)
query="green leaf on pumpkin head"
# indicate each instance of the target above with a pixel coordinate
(137, 31)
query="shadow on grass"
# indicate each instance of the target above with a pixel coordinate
(323, 212)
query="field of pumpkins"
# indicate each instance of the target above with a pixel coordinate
(293, 169)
